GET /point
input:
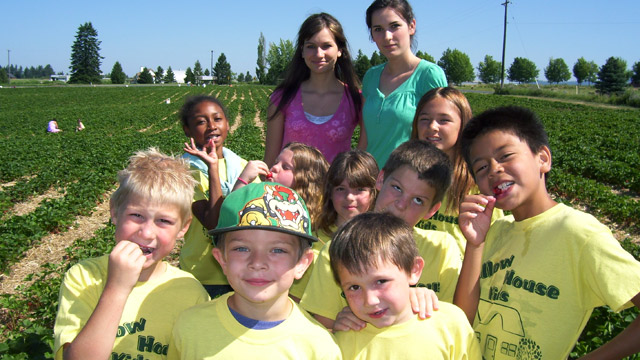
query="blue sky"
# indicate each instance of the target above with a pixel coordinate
(171, 33)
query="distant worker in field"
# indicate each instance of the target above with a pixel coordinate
(52, 126)
(216, 170)
(319, 102)
(80, 125)
(529, 282)
(112, 304)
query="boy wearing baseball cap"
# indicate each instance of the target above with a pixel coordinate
(262, 242)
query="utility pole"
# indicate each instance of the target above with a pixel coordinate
(504, 42)
(211, 65)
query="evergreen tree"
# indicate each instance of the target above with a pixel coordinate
(635, 78)
(4, 77)
(261, 69)
(522, 70)
(85, 56)
(489, 70)
(197, 71)
(189, 77)
(222, 70)
(377, 59)
(241, 77)
(456, 66)
(613, 76)
(206, 72)
(169, 77)
(557, 71)
(361, 65)
(145, 77)
(117, 75)
(247, 77)
(48, 71)
(425, 56)
(159, 75)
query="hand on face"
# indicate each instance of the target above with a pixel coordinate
(125, 265)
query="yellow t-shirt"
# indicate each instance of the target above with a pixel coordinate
(209, 331)
(323, 296)
(445, 335)
(148, 315)
(542, 277)
(298, 287)
(195, 255)
(447, 221)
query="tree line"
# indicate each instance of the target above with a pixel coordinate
(31, 72)
(272, 63)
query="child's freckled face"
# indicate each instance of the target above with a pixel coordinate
(261, 265)
(208, 123)
(349, 202)
(405, 195)
(282, 170)
(380, 296)
(154, 227)
(439, 123)
(505, 167)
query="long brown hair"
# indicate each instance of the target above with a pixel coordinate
(309, 170)
(462, 181)
(299, 71)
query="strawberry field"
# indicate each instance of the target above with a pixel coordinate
(596, 167)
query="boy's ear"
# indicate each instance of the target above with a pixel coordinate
(432, 211)
(544, 155)
(220, 258)
(113, 213)
(185, 228)
(416, 270)
(303, 264)
(380, 180)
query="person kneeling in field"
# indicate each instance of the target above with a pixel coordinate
(375, 260)
(123, 305)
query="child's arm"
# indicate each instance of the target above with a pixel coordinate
(207, 212)
(96, 339)
(474, 220)
(251, 171)
(624, 344)
(275, 132)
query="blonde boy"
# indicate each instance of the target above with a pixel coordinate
(375, 260)
(531, 281)
(263, 242)
(411, 186)
(123, 305)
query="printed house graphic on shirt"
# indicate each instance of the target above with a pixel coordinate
(509, 338)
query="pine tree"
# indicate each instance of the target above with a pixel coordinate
(197, 71)
(159, 75)
(4, 77)
(613, 76)
(248, 77)
(117, 75)
(361, 65)
(85, 56)
(169, 77)
(145, 77)
(222, 70)
(189, 77)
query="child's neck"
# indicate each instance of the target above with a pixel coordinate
(153, 272)
(275, 310)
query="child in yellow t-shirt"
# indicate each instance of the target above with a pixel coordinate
(375, 260)
(530, 282)
(410, 186)
(123, 305)
(263, 241)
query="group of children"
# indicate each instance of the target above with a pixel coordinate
(303, 258)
